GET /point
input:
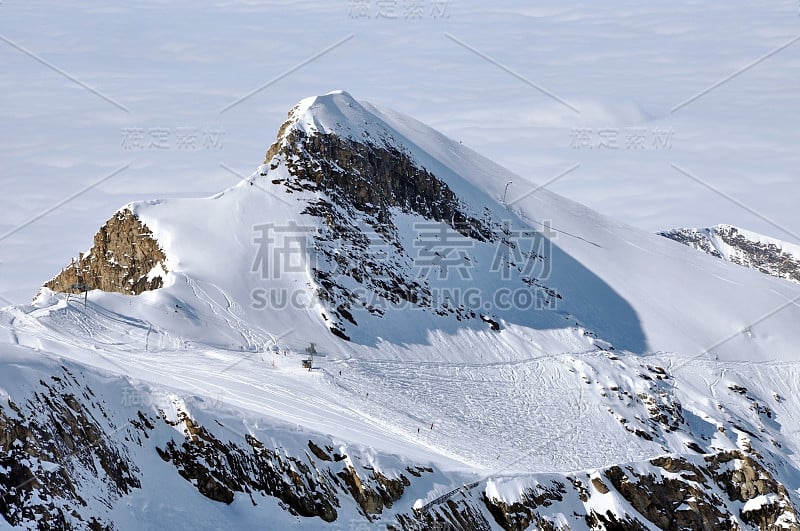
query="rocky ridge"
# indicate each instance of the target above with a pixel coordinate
(767, 255)
(362, 186)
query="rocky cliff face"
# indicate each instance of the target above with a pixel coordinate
(363, 184)
(68, 456)
(47, 444)
(65, 456)
(770, 256)
(363, 187)
(308, 485)
(719, 492)
(125, 258)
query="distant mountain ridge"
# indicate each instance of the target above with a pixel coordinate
(743, 247)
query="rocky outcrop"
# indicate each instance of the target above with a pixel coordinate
(451, 515)
(360, 188)
(725, 491)
(680, 494)
(374, 179)
(670, 502)
(125, 258)
(309, 486)
(365, 183)
(741, 247)
(46, 445)
(694, 238)
(220, 470)
(521, 514)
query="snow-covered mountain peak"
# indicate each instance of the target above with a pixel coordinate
(477, 359)
(329, 113)
(407, 237)
(336, 113)
(380, 202)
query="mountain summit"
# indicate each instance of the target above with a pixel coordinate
(380, 219)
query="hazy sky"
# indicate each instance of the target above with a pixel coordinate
(680, 114)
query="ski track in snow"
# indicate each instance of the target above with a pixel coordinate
(532, 414)
(521, 415)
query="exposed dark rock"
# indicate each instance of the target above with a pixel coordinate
(611, 522)
(375, 495)
(220, 470)
(521, 515)
(452, 515)
(670, 493)
(373, 180)
(365, 183)
(306, 487)
(319, 452)
(46, 447)
(768, 258)
(600, 486)
(122, 257)
(697, 239)
(361, 186)
(669, 503)
(493, 324)
(692, 500)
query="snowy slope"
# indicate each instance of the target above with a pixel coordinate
(615, 370)
(648, 283)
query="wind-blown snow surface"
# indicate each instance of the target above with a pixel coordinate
(536, 397)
